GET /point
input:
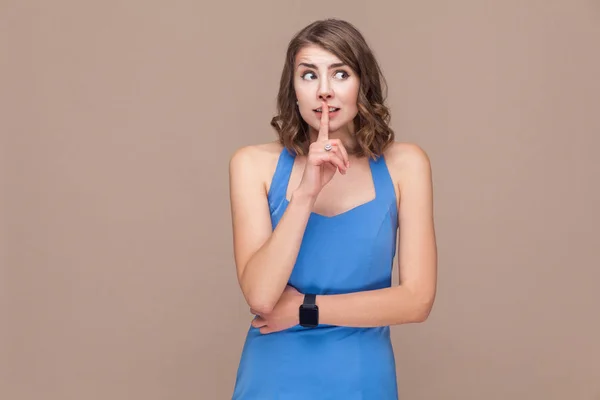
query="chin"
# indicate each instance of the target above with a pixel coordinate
(337, 125)
(334, 126)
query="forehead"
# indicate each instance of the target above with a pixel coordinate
(316, 55)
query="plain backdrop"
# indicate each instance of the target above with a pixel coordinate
(118, 119)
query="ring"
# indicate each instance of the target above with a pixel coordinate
(328, 147)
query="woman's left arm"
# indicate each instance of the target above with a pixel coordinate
(410, 301)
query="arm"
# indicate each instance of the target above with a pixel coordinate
(409, 302)
(412, 300)
(264, 257)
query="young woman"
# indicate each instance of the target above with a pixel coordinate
(316, 218)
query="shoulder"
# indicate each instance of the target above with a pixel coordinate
(404, 154)
(406, 161)
(255, 162)
(257, 155)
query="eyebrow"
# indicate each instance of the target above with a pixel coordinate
(336, 65)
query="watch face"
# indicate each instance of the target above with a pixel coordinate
(309, 317)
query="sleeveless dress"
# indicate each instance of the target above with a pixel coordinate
(349, 252)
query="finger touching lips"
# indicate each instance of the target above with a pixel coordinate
(324, 127)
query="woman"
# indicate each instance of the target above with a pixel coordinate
(315, 221)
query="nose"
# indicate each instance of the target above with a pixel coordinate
(325, 92)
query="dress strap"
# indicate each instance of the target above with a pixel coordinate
(281, 178)
(384, 185)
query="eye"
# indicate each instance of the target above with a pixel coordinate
(341, 75)
(307, 74)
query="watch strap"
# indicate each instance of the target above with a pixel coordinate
(310, 299)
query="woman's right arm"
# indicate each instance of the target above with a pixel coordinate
(264, 257)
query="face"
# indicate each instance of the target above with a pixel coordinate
(320, 75)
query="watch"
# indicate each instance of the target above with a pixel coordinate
(309, 312)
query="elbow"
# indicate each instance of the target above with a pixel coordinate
(257, 299)
(260, 306)
(422, 300)
(421, 316)
(422, 311)
(259, 302)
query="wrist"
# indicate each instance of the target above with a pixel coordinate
(308, 312)
(302, 199)
(298, 304)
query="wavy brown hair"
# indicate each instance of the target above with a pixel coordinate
(371, 125)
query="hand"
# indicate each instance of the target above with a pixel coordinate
(321, 165)
(284, 315)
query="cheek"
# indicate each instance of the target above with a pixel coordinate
(354, 93)
(302, 102)
(302, 89)
(351, 101)
(307, 114)
(349, 94)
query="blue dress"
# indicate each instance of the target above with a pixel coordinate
(349, 252)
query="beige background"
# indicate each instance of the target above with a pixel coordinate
(118, 119)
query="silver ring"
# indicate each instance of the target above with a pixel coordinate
(328, 147)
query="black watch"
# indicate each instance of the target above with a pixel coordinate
(309, 312)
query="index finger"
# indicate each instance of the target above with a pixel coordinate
(324, 127)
